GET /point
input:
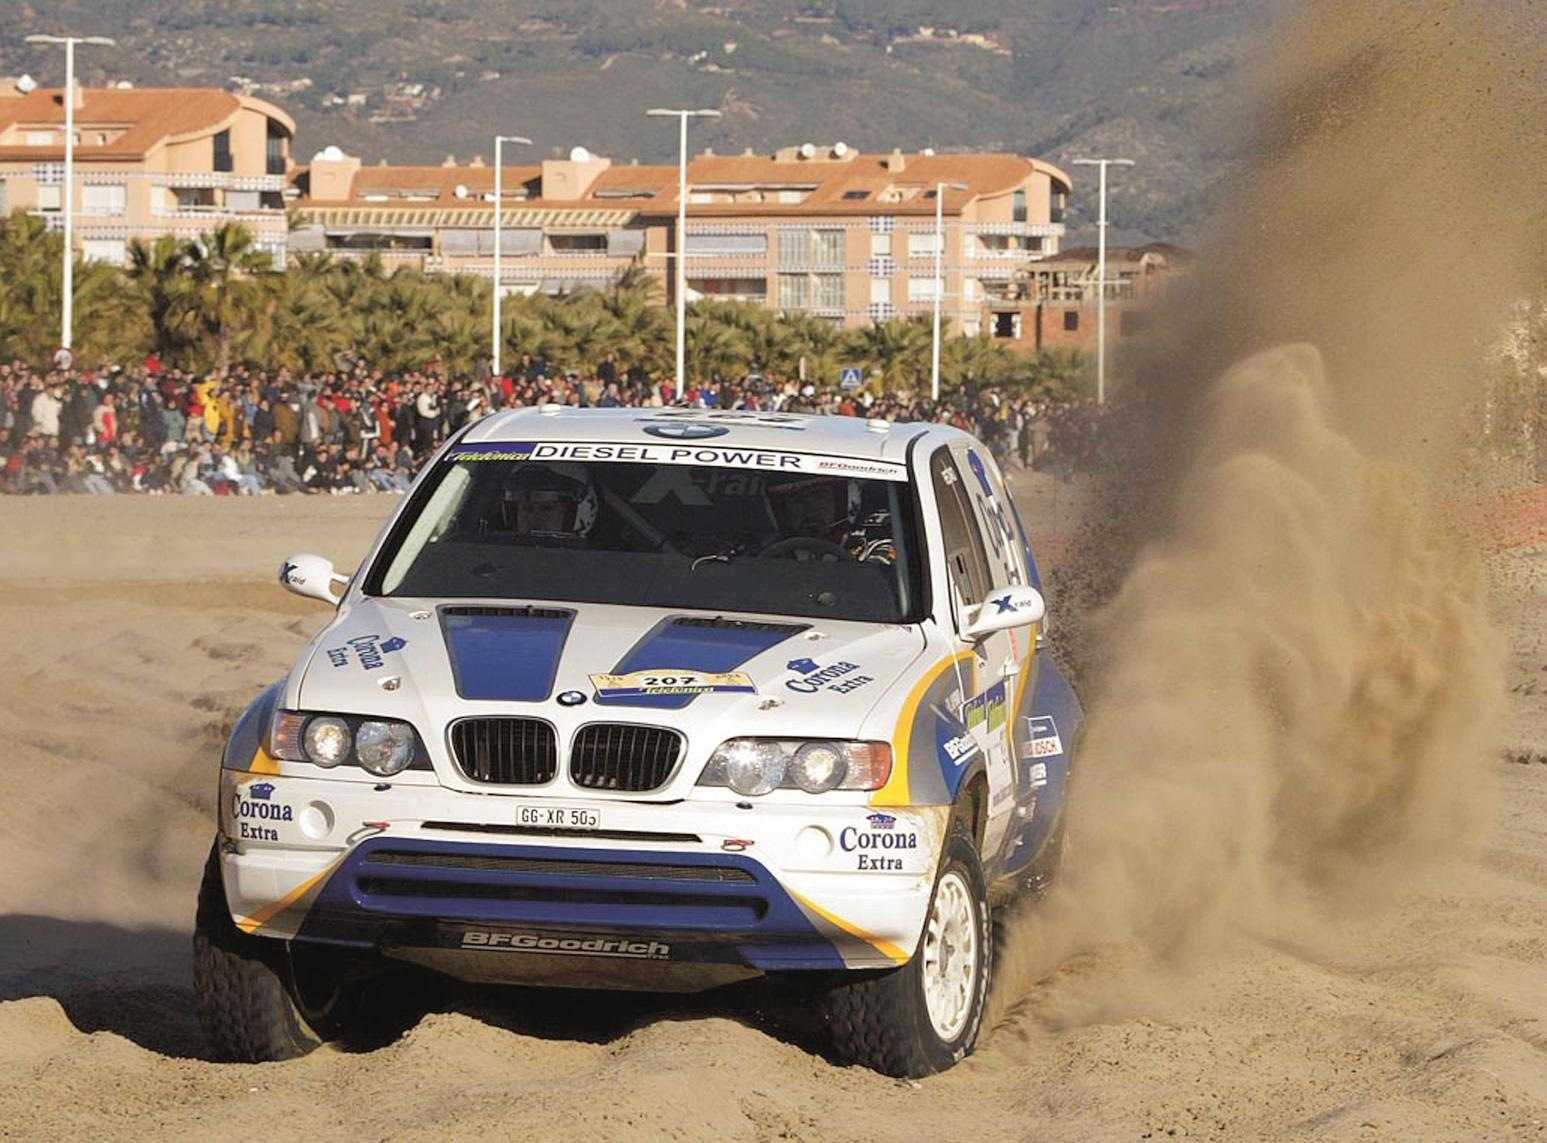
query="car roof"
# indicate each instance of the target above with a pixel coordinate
(854, 437)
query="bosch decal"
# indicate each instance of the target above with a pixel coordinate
(1042, 740)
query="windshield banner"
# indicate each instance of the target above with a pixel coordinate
(703, 455)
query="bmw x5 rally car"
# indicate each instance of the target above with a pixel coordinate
(658, 700)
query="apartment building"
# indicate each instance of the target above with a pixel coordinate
(846, 236)
(148, 162)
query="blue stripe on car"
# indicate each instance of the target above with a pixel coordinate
(407, 892)
(506, 656)
(683, 644)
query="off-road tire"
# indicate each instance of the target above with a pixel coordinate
(882, 1021)
(241, 985)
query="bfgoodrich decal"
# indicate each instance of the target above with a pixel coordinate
(579, 944)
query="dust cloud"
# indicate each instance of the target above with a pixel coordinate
(1282, 626)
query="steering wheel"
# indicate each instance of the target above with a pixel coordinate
(817, 548)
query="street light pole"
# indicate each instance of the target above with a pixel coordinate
(67, 285)
(934, 366)
(1101, 273)
(682, 115)
(499, 208)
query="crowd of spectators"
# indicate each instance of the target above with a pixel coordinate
(352, 430)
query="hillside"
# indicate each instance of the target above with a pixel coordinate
(415, 80)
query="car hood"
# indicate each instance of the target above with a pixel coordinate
(431, 663)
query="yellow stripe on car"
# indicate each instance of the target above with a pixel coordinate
(885, 948)
(896, 790)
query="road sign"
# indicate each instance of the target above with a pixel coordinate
(849, 377)
(64, 358)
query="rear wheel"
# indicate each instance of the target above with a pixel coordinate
(926, 1015)
(262, 999)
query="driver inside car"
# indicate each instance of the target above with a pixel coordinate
(553, 505)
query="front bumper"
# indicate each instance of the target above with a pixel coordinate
(410, 869)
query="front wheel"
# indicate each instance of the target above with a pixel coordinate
(925, 1016)
(262, 999)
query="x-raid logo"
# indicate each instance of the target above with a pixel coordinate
(577, 945)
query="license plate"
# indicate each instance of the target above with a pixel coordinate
(559, 817)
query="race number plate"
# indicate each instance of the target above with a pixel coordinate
(559, 817)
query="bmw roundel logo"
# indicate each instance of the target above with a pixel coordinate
(571, 698)
(686, 431)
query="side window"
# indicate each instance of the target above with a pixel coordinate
(965, 559)
(1006, 553)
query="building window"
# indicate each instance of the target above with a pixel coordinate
(40, 138)
(828, 294)
(794, 246)
(104, 199)
(1071, 321)
(794, 290)
(827, 247)
(921, 290)
(578, 243)
(223, 151)
(49, 197)
(727, 245)
(923, 244)
(194, 198)
(1007, 324)
(1056, 212)
(1018, 206)
(856, 195)
(881, 245)
(274, 157)
(109, 250)
(880, 290)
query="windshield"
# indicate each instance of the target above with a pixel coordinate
(792, 537)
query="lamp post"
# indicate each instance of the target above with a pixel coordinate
(1101, 273)
(934, 366)
(67, 286)
(499, 209)
(682, 115)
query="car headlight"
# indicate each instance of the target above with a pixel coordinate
(384, 748)
(327, 740)
(381, 746)
(754, 766)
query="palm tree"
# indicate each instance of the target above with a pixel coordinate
(898, 351)
(711, 347)
(230, 278)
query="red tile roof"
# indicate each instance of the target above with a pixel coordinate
(147, 115)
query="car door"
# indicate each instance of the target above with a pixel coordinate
(988, 676)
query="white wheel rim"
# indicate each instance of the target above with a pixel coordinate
(951, 956)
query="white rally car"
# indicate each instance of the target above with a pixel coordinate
(654, 699)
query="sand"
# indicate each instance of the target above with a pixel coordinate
(129, 655)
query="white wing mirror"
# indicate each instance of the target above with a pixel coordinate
(311, 576)
(1013, 607)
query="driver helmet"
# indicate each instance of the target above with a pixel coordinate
(821, 506)
(550, 501)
